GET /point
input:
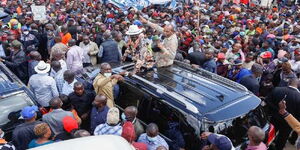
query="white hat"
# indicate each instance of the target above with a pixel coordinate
(113, 116)
(42, 67)
(134, 30)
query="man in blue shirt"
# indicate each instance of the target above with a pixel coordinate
(152, 139)
(99, 111)
(210, 63)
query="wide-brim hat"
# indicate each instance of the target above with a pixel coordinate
(134, 30)
(42, 67)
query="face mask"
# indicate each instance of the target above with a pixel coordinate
(15, 27)
(123, 117)
(107, 75)
(2, 135)
(26, 32)
(151, 139)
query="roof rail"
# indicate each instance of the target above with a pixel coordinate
(212, 76)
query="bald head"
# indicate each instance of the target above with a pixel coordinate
(55, 103)
(100, 101)
(152, 130)
(256, 135)
(57, 39)
(130, 113)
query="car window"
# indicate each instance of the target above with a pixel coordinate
(238, 131)
(13, 103)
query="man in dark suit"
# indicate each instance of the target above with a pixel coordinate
(292, 97)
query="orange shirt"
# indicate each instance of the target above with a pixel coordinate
(66, 38)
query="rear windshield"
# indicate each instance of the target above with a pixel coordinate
(13, 104)
(238, 131)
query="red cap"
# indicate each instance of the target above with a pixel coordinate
(110, 16)
(266, 54)
(297, 52)
(128, 132)
(69, 123)
(221, 56)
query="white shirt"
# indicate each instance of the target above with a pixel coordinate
(68, 88)
(295, 65)
(86, 57)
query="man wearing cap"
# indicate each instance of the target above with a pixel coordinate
(251, 81)
(24, 133)
(16, 62)
(42, 85)
(112, 125)
(217, 141)
(29, 41)
(168, 47)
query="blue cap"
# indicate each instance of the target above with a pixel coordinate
(137, 22)
(220, 141)
(24, 28)
(28, 112)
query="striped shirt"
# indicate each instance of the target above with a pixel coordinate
(105, 129)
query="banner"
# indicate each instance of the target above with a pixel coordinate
(140, 4)
(39, 12)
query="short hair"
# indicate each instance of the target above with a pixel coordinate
(40, 129)
(77, 84)
(55, 103)
(69, 75)
(151, 127)
(107, 34)
(81, 133)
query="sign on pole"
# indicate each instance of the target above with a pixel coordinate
(39, 12)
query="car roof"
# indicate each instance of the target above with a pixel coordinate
(204, 93)
(105, 142)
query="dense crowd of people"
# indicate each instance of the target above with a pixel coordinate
(255, 46)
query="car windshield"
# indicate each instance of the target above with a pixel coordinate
(13, 103)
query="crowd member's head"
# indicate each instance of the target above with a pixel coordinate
(64, 29)
(72, 42)
(35, 55)
(107, 35)
(286, 68)
(168, 30)
(100, 102)
(161, 148)
(78, 88)
(106, 69)
(152, 132)
(66, 102)
(42, 131)
(209, 54)
(257, 70)
(56, 66)
(57, 39)
(81, 133)
(113, 116)
(56, 103)
(29, 114)
(69, 76)
(16, 45)
(70, 124)
(130, 113)
(293, 82)
(256, 135)
(86, 39)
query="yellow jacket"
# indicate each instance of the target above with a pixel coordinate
(104, 85)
